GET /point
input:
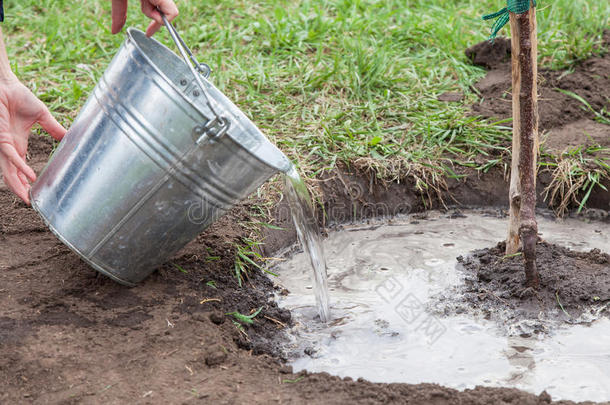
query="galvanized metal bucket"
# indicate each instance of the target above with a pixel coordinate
(154, 157)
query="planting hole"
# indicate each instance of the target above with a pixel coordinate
(394, 289)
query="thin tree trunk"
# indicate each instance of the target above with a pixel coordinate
(523, 227)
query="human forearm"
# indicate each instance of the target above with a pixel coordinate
(5, 67)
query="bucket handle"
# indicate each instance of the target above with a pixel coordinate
(217, 126)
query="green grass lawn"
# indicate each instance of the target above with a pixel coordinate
(327, 80)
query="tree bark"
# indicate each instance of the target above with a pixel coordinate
(523, 227)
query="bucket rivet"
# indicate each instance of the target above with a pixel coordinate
(183, 82)
(198, 130)
(196, 93)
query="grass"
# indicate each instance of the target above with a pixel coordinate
(560, 304)
(180, 268)
(603, 116)
(329, 81)
(247, 257)
(292, 381)
(575, 173)
(247, 319)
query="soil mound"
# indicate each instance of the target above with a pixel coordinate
(574, 286)
(490, 55)
(565, 119)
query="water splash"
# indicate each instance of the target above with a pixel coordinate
(308, 233)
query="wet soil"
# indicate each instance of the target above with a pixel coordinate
(572, 284)
(386, 277)
(69, 335)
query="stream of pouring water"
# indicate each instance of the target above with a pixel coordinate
(308, 233)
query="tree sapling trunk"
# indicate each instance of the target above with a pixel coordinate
(523, 227)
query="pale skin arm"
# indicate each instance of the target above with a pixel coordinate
(19, 111)
(150, 8)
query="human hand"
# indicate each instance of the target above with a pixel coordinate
(19, 111)
(150, 8)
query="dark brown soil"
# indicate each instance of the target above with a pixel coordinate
(564, 121)
(69, 335)
(571, 283)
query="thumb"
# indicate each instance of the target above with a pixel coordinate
(50, 124)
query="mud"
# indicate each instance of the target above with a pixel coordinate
(572, 284)
(386, 278)
(69, 335)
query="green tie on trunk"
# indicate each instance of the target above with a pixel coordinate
(514, 6)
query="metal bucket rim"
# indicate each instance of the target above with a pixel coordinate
(280, 162)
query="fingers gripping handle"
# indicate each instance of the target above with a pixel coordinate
(217, 126)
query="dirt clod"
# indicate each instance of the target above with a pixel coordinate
(490, 55)
(215, 356)
(286, 369)
(217, 318)
(451, 97)
(545, 397)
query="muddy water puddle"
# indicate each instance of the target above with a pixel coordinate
(382, 279)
